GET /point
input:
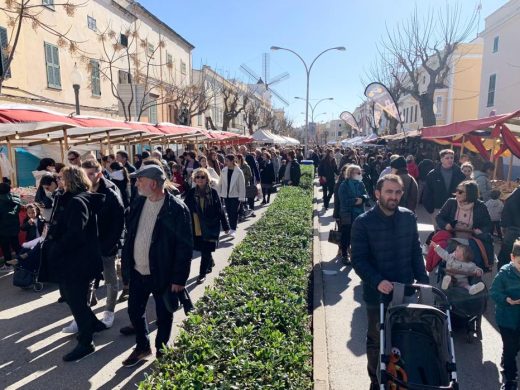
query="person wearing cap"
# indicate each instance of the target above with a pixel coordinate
(409, 198)
(388, 169)
(157, 256)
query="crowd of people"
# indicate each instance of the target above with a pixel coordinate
(152, 214)
(376, 194)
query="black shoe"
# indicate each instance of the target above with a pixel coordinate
(93, 300)
(201, 279)
(253, 215)
(99, 327)
(61, 300)
(127, 330)
(124, 296)
(374, 386)
(136, 356)
(159, 354)
(209, 270)
(345, 260)
(509, 385)
(79, 352)
(263, 202)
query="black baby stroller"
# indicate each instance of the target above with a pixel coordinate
(26, 271)
(417, 351)
(466, 309)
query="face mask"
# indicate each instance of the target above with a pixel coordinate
(117, 175)
(357, 177)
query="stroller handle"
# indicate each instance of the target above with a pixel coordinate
(419, 287)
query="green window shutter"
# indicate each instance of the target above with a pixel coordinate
(95, 78)
(56, 66)
(48, 65)
(3, 44)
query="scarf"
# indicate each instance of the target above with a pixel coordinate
(464, 217)
(203, 199)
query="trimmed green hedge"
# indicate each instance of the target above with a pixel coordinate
(252, 329)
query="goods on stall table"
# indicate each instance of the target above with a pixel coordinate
(504, 187)
(26, 194)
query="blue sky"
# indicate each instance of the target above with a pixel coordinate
(228, 33)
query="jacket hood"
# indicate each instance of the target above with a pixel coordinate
(478, 174)
(94, 200)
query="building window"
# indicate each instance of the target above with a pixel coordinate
(495, 45)
(199, 120)
(152, 111)
(491, 90)
(95, 80)
(123, 40)
(52, 64)
(339, 133)
(124, 77)
(3, 45)
(416, 107)
(48, 3)
(438, 106)
(183, 67)
(91, 23)
(151, 49)
(406, 115)
(169, 59)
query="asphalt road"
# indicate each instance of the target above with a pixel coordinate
(32, 345)
(478, 362)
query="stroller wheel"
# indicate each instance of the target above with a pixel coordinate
(38, 286)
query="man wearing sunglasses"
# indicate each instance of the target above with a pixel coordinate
(74, 158)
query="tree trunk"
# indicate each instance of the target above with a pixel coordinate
(426, 105)
(225, 122)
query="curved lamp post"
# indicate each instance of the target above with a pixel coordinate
(308, 72)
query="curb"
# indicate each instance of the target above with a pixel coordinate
(320, 363)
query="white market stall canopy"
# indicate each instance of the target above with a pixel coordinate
(266, 137)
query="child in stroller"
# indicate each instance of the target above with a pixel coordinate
(460, 265)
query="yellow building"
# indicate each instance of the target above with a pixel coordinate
(460, 99)
(120, 36)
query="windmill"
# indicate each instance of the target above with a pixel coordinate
(266, 82)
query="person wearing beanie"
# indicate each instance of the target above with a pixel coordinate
(409, 198)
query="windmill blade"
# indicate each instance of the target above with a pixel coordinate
(279, 78)
(266, 64)
(279, 97)
(249, 71)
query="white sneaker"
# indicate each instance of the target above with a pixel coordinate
(232, 233)
(108, 318)
(476, 288)
(71, 328)
(446, 280)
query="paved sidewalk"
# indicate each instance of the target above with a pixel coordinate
(32, 345)
(345, 320)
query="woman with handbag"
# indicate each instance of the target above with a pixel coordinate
(352, 197)
(327, 169)
(232, 188)
(207, 216)
(251, 189)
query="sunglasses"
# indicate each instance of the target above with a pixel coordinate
(73, 158)
(200, 177)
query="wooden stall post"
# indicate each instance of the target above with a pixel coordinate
(65, 139)
(12, 158)
(108, 143)
(510, 171)
(462, 144)
(62, 152)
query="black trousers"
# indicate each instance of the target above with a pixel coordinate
(266, 194)
(75, 293)
(251, 203)
(345, 238)
(328, 191)
(7, 243)
(511, 342)
(141, 287)
(373, 342)
(232, 205)
(497, 229)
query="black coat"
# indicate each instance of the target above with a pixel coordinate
(122, 186)
(481, 218)
(71, 249)
(251, 161)
(267, 173)
(328, 169)
(172, 242)
(30, 230)
(111, 220)
(511, 212)
(211, 218)
(295, 173)
(435, 192)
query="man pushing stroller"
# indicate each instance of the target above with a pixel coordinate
(459, 266)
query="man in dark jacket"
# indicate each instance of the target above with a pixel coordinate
(510, 224)
(122, 157)
(441, 183)
(385, 249)
(111, 223)
(292, 173)
(9, 222)
(157, 256)
(251, 161)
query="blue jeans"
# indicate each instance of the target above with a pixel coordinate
(141, 286)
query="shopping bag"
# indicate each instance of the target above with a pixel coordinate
(335, 236)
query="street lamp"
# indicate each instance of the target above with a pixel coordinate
(76, 79)
(314, 107)
(308, 72)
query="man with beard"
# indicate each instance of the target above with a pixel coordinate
(385, 249)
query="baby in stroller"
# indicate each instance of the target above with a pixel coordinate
(459, 266)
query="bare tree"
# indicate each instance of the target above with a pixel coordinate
(423, 49)
(27, 12)
(234, 101)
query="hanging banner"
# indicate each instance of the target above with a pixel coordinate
(383, 100)
(349, 119)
